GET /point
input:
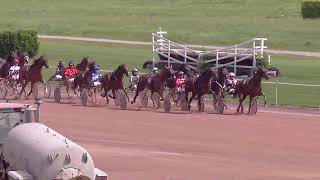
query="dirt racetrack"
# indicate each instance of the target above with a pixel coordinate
(152, 145)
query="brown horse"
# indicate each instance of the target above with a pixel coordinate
(250, 87)
(34, 73)
(201, 86)
(80, 79)
(153, 82)
(113, 81)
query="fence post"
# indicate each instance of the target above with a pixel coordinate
(277, 83)
(235, 60)
(254, 64)
(169, 49)
(185, 55)
(153, 53)
(217, 59)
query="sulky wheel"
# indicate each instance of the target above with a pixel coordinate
(57, 94)
(117, 98)
(3, 91)
(183, 102)
(218, 104)
(123, 99)
(167, 103)
(156, 99)
(35, 91)
(84, 97)
(47, 89)
(144, 99)
(201, 107)
(254, 106)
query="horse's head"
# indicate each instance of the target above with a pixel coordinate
(210, 72)
(85, 63)
(165, 72)
(42, 61)
(261, 72)
(123, 69)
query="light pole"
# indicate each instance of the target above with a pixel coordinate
(38, 101)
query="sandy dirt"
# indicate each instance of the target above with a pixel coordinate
(148, 144)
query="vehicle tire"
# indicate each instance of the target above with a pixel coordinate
(35, 91)
(117, 98)
(84, 97)
(144, 98)
(90, 95)
(254, 106)
(57, 94)
(167, 103)
(201, 107)
(219, 105)
(183, 102)
(156, 99)
(123, 99)
(47, 90)
(3, 91)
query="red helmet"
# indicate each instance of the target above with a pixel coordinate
(16, 61)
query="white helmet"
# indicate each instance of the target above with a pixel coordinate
(232, 74)
(155, 69)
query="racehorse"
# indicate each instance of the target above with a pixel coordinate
(153, 82)
(4, 69)
(113, 81)
(218, 84)
(34, 73)
(79, 79)
(201, 86)
(250, 87)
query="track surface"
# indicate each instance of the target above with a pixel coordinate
(144, 144)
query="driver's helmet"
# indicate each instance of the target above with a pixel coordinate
(180, 74)
(16, 61)
(71, 63)
(155, 69)
(96, 68)
(135, 71)
(61, 63)
(232, 75)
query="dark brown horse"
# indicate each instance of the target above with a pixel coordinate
(34, 73)
(218, 84)
(153, 82)
(80, 79)
(113, 81)
(202, 85)
(250, 87)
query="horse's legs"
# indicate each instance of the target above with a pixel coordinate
(95, 95)
(243, 98)
(265, 99)
(106, 89)
(250, 100)
(190, 100)
(32, 83)
(240, 102)
(67, 88)
(23, 87)
(139, 89)
(126, 94)
(151, 97)
(199, 101)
